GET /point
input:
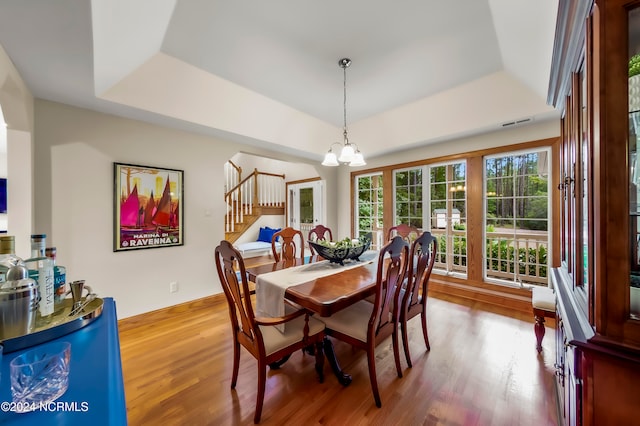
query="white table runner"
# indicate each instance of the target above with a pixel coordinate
(270, 287)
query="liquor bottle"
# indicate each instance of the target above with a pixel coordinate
(7, 249)
(41, 270)
(59, 278)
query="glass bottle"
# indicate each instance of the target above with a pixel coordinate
(41, 270)
(59, 278)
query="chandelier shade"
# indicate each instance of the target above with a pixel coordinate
(349, 152)
(330, 159)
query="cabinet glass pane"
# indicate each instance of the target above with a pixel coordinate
(634, 175)
(586, 232)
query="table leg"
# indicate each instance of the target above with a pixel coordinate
(343, 378)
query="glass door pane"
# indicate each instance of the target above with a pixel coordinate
(306, 207)
(448, 216)
(369, 211)
(634, 178)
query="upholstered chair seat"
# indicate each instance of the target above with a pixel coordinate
(275, 340)
(352, 321)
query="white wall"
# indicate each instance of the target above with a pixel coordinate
(75, 152)
(16, 103)
(292, 171)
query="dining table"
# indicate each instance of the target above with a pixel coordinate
(317, 285)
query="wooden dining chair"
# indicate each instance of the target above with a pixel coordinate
(319, 232)
(365, 325)
(413, 297)
(291, 245)
(407, 232)
(258, 335)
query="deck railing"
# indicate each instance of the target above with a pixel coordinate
(518, 257)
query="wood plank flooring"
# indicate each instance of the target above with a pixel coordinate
(482, 369)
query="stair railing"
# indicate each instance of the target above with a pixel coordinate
(232, 175)
(259, 189)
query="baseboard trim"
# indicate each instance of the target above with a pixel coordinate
(204, 302)
(513, 298)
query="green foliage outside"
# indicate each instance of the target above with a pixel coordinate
(370, 199)
(517, 196)
(459, 252)
(634, 65)
(501, 255)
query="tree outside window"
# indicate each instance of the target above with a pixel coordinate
(517, 217)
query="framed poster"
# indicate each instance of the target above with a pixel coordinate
(148, 207)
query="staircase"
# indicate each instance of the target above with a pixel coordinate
(250, 219)
(258, 194)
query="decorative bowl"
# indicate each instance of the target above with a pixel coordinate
(338, 252)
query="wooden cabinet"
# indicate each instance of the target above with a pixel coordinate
(598, 319)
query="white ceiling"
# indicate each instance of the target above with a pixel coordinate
(266, 72)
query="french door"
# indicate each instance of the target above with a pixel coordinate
(306, 206)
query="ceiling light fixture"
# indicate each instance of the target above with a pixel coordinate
(349, 154)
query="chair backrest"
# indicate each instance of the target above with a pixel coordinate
(238, 296)
(291, 245)
(319, 232)
(421, 259)
(392, 268)
(407, 232)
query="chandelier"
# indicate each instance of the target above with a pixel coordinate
(349, 153)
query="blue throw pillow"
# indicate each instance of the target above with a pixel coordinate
(265, 235)
(274, 231)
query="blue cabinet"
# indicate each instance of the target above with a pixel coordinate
(96, 390)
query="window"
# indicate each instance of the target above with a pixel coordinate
(437, 205)
(369, 198)
(517, 217)
(447, 188)
(408, 197)
(490, 210)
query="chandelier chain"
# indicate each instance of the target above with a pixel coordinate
(344, 87)
(349, 154)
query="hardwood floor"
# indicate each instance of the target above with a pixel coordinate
(483, 369)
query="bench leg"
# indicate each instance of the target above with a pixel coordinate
(539, 330)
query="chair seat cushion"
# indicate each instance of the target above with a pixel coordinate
(274, 339)
(352, 321)
(543, 298)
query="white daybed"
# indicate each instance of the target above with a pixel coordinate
(255, 248)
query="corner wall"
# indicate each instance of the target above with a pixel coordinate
(74, 156)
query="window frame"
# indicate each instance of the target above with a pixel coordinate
(517, 281)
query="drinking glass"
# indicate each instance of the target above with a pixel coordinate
(40, 376)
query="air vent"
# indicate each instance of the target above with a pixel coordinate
(517, 122)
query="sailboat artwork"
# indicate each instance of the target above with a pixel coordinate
(148, 207)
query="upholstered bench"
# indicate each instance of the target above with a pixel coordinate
(543, 300)
(254, 248)
(262, 245)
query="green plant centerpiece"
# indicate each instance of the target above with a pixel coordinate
(345, 249)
